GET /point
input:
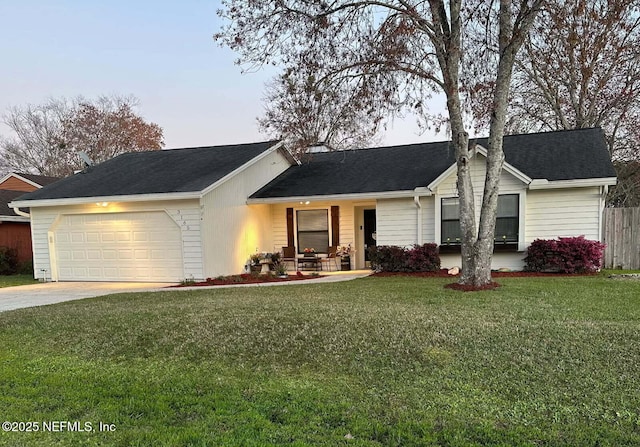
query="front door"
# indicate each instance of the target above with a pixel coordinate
(369, 231)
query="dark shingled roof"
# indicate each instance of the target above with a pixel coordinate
(42, 180)
(166, 171)
(6, 196)
(562, 155)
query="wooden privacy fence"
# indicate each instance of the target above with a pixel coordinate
(621, 233)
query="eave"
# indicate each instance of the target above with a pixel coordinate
(421, 192)
(14, 219)
(110, 199)
(575, 183)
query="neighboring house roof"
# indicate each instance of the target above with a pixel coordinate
(18, 181)
(42, 180)
(554, 156)
(7, 213)
(155, 172)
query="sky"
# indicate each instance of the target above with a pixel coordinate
(162, 52)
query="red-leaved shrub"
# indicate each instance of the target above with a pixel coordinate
(392, 258)
(564, 255)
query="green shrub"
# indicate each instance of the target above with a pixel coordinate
(392, 258)
(26, 267)
(8, 261)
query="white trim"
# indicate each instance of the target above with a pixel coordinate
(524, 178)
(238, 170)
(575, 183)
(19, 177)
(482, 151)
(53, 261)
(295, 224)
(439, 179)
(522, 211)
(352, 196)
(117, 199)
(14, 219)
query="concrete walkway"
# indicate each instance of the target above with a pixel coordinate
(57, 292)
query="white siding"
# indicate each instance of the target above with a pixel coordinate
(396, 222)
(186, 213)
(231, 229)
(563, 212)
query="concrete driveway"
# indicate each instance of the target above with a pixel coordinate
(57, 292)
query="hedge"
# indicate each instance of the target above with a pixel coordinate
(392, 258)
(564, 255)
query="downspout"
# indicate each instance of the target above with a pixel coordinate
(603, 204)
(416, 201)
(21, 213)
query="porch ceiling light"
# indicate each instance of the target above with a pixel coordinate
(103, 204)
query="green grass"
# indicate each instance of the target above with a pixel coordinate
(372, 362)
(16, 280)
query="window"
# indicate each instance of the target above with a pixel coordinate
(507, 220)
(313, 230)
(451, 221)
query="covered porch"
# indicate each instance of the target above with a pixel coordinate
(314, 227)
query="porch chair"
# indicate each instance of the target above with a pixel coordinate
(289, 255)
(331, 258)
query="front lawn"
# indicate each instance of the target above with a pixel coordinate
(16, 280)
(373, 362)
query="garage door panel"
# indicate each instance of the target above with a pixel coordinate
(145, 246)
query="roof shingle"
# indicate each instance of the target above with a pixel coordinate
(562, 155)
(154, 172)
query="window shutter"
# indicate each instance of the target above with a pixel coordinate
(290, 234)
(335, 226)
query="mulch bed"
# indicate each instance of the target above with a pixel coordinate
(246, 278)
(442, 273)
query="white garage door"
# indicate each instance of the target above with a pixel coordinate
(145, 246)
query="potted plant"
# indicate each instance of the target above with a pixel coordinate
(344, 251)
(281, 270)
(254, 262)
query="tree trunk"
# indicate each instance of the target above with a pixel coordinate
(477, 252)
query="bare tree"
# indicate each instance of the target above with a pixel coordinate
(398, 52)
(48, 136)
(579, 68)
(37, 145)
(303, 112)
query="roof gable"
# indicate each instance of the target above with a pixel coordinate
(155, 172)
(17, 181)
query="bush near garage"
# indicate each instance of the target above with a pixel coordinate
(8, 261)
(564, 255)
(392, 258)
